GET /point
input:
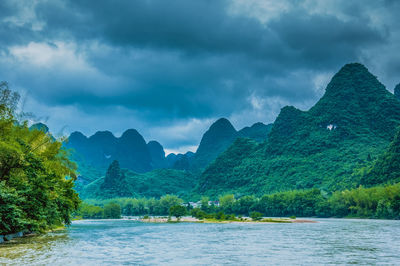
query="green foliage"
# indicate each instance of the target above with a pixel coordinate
(177, 210)
(112, 211)
(36, 177)
(151, 184)
(386, 168)
(220, 215)
(303, 203)
(141, 206)
(256, 216)
(168, 201)
(11, 215)
(87, 211)
(374, 202)
(227, 202)
(204, 204)
(198, 213)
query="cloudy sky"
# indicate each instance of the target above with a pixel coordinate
(171, 68)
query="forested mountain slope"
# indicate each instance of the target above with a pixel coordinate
(352, 123)
(125, 183)
(220, 136)
(386, 169)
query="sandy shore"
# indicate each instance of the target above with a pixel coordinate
(189, 219)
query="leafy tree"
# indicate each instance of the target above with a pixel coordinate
(178, 211)
(112, 211)
(204, 204)
(36, 175)
(227, 203)
(88, 211)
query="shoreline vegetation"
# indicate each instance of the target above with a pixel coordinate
(36, 176)
(379, 202)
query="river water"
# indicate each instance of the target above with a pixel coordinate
(123, 242)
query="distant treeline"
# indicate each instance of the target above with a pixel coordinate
(375, 202)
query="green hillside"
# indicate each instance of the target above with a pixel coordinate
(125, 183)
(386, 169)
(220, 136)
(351, 124)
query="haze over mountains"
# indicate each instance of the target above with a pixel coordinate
(325, 147)
(132, 151)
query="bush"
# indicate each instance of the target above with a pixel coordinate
(220, 215)
(230, 217)
(256, 216)
(198, 213)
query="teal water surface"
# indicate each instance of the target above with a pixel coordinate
(126, 242)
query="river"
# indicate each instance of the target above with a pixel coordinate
(123, 242)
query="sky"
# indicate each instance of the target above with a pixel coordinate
(171, 68)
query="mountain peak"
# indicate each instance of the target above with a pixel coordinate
(356, 101)
(354, 67)
(222, 124)
(157, 154)
(353, 80)
(217, 138)
(77, 137)
(131, 133)
(102, 135)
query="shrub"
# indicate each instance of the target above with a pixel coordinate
(220, 215)
(256, 216)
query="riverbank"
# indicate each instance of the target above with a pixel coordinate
(8, 237)
(189, 219)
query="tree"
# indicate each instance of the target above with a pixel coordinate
(36, 175)
(166, 202)
(227, 202)
(256, 216)
(178, 211)
(112, 211)
(204, 204)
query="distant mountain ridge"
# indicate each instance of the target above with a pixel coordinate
(133, 153)
(220, 136)
(103, 147)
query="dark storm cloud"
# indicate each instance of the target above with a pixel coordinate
(171, 61)
(192, 26)
(184, 36)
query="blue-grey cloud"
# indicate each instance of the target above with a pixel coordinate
(155, 65)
